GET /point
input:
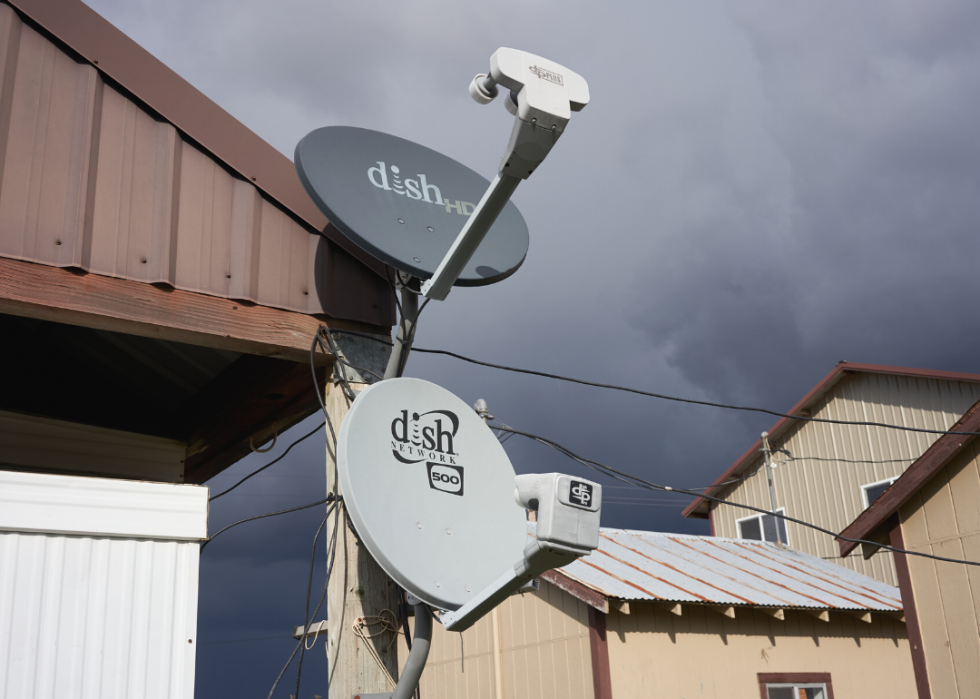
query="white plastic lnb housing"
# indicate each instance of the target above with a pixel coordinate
(568, 527)
(547, 94)
(567, 508)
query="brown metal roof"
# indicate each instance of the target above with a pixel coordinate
(92, 177)
(909, 483)
(651, 566)
(698, 508)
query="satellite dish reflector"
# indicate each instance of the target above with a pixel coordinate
(405, 203)
(430, 491)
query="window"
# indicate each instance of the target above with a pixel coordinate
(796, 691)
(763, 527)
(872, 491)
(795, 685)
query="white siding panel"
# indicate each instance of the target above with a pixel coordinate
(34, 502)
(97, 618)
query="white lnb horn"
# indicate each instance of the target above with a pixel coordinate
(483, 89)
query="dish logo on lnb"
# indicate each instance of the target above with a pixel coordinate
(448, 479)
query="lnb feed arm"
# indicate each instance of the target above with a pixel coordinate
(568, 510)
(542, 95)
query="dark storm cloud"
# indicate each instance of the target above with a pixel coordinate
(757, 191)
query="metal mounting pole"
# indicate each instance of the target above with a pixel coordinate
(415, 663)
(772, 492)
(406, 334)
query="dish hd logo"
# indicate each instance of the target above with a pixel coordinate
(419, 189)
(429, 437)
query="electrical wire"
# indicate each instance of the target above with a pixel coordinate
(638, 482)
(271, 463)
(306, 606)
(663, 396)
(332, 550)
(214, 536)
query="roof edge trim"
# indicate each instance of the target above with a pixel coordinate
(698, 508)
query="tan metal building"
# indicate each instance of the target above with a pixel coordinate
(827, 473)
(934, 508)
(670, 615)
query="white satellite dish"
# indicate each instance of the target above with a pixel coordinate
(430, 491)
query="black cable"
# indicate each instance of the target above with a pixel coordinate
(271, 463)
(638, 482)
(329, 498)
(662, 396)
(306, 606)
(302, 639)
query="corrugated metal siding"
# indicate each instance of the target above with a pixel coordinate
(943, 519)
(544, 652)
(649, 566)
(826, 490)
(653, 653)
(97, 618)
(90, 179)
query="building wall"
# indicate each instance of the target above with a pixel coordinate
(91, 179)
(98, 587)
(57, 446)
(543, 642)
(702, 653)
(943, 519)
(825, 488)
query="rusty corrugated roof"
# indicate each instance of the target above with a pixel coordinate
(93, 179)
(650, 566)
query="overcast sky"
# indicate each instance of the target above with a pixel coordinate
(756, 191)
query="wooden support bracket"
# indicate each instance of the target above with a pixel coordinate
(821, 614)
(621, 606)
(862, 616)
(726, 609)
(774, 612)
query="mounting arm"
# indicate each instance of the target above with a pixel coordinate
(568, 527)
(542, 96)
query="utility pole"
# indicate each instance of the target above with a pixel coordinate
(767, 451)
(361, 642)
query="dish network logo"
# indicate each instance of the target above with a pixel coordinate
(419, 189)
(429, 437)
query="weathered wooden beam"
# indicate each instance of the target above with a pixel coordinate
(621, 606)
(821, 614)
(594, 599)
(122, 305)
(243, 408)
(726, 609)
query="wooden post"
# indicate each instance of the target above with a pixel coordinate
(358, 595)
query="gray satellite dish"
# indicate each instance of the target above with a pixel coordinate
(405, 203)
(430, 491)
